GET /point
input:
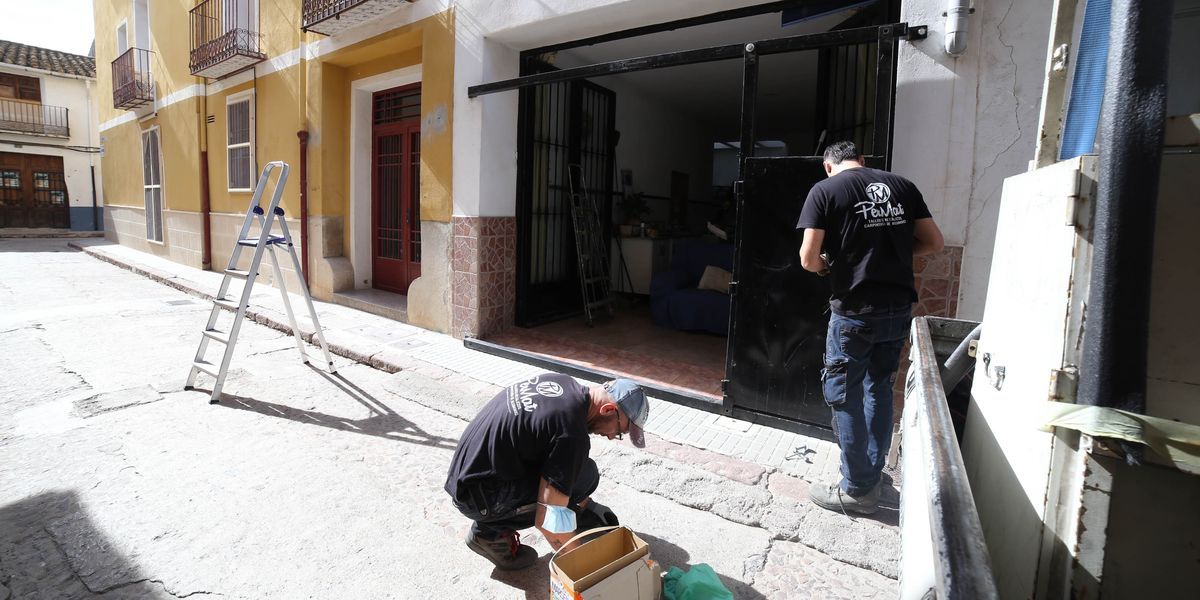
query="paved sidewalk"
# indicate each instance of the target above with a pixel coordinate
(320, 493)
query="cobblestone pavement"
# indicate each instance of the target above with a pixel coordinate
(116, 483)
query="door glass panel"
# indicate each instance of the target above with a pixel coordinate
(389, 179)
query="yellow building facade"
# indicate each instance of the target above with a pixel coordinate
(204, 93)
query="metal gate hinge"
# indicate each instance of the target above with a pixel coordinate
(724, 386)
(733, 286)
(917, 32)
(738, 187)
(1063, 384)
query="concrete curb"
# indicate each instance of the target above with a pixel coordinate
(378, 358)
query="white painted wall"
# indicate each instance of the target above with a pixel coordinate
(964, 124)
(76, 95)
(1183, 87)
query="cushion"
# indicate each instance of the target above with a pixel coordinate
(715, 279)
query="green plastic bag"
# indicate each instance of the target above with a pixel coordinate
(699, 583)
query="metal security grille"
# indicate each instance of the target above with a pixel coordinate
(552, 247)
(389, 179)
(393, 106)
(847, 75)
(565, 123)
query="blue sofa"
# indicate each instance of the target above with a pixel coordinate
(675, 302)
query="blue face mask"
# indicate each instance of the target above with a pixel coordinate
(558, 519)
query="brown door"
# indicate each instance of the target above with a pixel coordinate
(396, 188)
(33, 191)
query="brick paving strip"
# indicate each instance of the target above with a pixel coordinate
(808, 552)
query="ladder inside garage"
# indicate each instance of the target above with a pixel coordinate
(264, 243)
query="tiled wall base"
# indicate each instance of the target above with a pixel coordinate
(484, 274)
(181, 238)
(937, 282)
(225, 227)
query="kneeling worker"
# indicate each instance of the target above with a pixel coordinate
(523, 462)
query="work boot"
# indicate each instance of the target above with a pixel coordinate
(506, 552)
(830, 496)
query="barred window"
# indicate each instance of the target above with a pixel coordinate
(240, 142)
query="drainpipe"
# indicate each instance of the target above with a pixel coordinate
(303, 135)
(96, 225)
(205, 200)
(1113, 369)
(956, 26)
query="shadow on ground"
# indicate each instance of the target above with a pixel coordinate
(49, 548)
(383, 422)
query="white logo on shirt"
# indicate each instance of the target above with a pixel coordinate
(549, 389)
(879, 210)
(520, 395)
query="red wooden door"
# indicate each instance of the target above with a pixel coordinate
(396, 189)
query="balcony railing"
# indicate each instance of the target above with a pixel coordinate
(133, 85)
(34, 119)
(225, 38)
(333, 16)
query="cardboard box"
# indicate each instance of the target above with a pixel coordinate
(614, 566)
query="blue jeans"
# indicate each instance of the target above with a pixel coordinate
(862, 353)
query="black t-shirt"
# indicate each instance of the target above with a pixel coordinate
(868, 216)
(534, 428)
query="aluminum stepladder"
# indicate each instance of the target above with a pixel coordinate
(595, 278)
(265, 242)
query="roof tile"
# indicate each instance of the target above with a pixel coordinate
(46, 59)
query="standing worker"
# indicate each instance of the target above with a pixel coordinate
(523, 462)
(862, 226)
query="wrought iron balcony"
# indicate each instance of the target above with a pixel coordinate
(32, 118)
(334, 16)
(133, 85)
(225, 38)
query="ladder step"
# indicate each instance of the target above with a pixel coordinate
(205, 367)
(274, 239)
(219, 336)
(597, 279)
(599, 303)
(226, 304)
(237, 273)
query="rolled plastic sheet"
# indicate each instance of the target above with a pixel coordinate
(1176, 442)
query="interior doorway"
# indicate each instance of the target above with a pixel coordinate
(693, 271)
(396, 188)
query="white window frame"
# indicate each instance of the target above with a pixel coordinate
(246, 96)
(154, 222)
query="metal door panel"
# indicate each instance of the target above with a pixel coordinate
(779, 312)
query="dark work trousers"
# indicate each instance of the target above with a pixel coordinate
(501, 507)
(862, 353)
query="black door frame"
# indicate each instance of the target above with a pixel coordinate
(886, 37)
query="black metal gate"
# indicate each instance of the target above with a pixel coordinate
(778, 315)
(780, 311)
(565, 123)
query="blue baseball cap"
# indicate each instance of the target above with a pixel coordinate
(632, 401)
